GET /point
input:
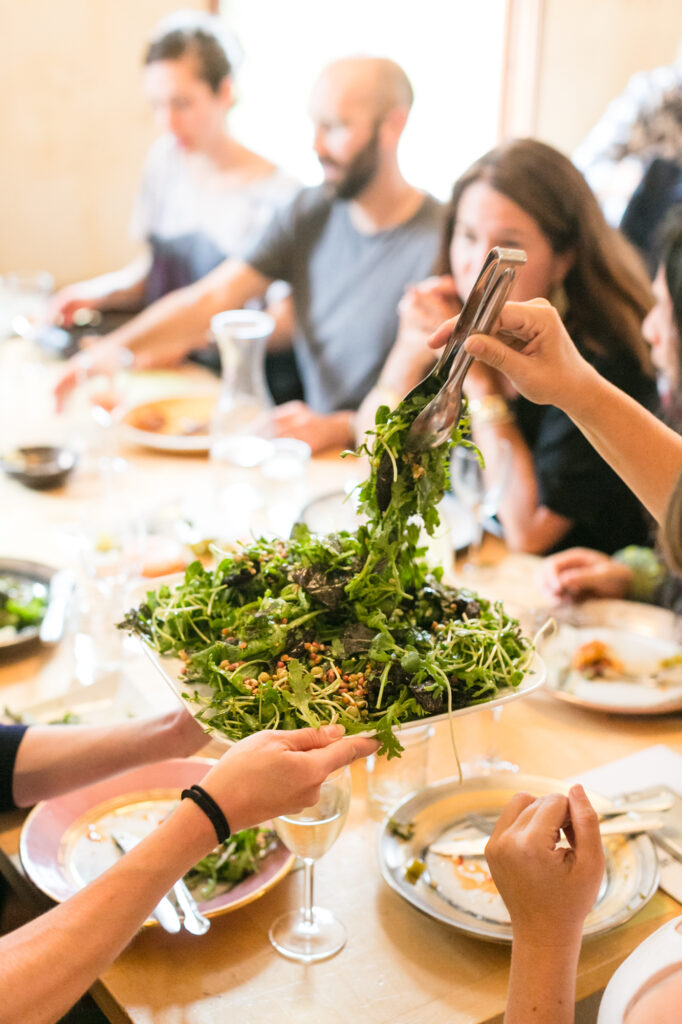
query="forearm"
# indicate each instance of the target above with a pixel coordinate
(542, 984)
(121, 289)
(81, 937)
(641, 449)
(180, 321)
(341, 433)
(285, 324)
(407, 363)
(323, 432)
(54, 759)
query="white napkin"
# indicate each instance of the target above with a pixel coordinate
(653, 766)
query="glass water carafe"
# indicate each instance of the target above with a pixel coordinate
(242, 421)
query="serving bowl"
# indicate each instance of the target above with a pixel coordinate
(39, 466)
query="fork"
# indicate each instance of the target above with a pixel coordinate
(652, 804)
(443, 385)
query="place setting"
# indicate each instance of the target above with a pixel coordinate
(619, 657)
(276, 656)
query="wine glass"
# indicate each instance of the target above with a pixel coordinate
(480, 489)
(97, 400)
(112, 546)
(313, 933)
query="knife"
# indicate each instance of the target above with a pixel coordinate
(59, 599)
(164, 912)
(622, 825)
(192, 918)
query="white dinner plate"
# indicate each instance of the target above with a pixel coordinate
(114, 699)
(641, 636)
(460, 891)
(171, 414)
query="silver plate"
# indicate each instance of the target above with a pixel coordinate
(37, 574)
(462, 894)
(640, 635)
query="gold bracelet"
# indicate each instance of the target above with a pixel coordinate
(490, 411)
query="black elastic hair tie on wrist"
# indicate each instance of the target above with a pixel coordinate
(213, 812)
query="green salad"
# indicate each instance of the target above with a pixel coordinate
(22, 604)
(230, 863)
(346, 627)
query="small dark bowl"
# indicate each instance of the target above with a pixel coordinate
(40, 466)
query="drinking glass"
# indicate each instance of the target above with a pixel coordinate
(479, 489)
(96, 402)
(486, 726)
(313, 933)
(241, 426)
(283, 484)
(111, 541)
(23, 296)
(390, 782)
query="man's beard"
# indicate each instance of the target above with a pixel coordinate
(360, 171)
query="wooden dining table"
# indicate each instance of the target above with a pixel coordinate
(398, 966)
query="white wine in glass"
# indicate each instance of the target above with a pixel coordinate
(313, 933)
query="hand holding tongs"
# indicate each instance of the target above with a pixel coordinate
(434, 424)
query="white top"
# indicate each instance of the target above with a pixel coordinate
(661, 950)
(184, 193)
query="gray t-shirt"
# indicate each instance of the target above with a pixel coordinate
(346, 288)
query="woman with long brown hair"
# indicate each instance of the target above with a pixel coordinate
(526, 195)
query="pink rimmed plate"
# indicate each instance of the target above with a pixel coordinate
(66, 841)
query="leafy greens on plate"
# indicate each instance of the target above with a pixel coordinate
(230, 863)
(345, 627)
(22, 604)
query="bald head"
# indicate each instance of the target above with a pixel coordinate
(376, 83)
(359, 107)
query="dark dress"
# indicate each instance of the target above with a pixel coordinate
(573, 480)
(10, 738)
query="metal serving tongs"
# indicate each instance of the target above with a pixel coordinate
(434, 424)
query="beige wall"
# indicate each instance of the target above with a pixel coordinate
(74, 130)
(588, 50)
(74, 126)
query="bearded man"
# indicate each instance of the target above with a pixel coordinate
(348, 248)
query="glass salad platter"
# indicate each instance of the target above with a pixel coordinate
(196, 697)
